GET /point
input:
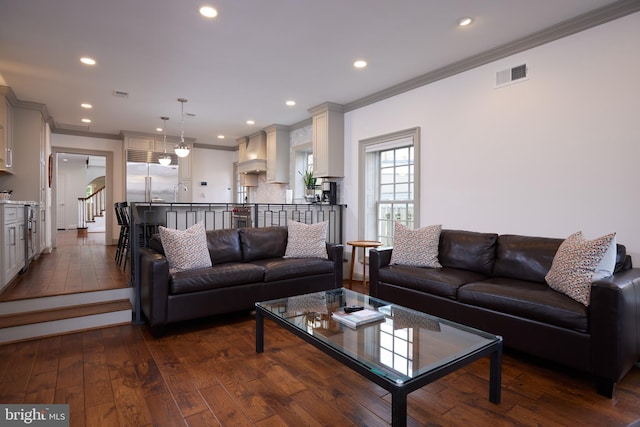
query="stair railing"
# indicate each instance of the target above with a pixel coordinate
(91, 206)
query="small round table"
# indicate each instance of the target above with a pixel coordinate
(364, 244)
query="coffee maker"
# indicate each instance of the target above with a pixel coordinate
(329, 193)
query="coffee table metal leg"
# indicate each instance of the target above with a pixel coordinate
(259, 332)
(495, 376)
(398, 408)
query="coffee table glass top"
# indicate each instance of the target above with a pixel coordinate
(405, 344)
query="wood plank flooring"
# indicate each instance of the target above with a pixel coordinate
(206, 373)
(77, 264)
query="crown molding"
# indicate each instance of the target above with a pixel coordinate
(566, 28)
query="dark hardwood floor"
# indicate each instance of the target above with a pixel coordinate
(206, 373)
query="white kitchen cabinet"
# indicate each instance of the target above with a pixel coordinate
(12, 242)
(277, 154)
(6, 136)
(328, 140)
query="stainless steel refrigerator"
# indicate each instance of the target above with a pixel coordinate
(149, 181)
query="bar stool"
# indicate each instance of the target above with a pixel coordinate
(122, 216)
(364, 244)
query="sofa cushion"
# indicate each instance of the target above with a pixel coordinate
(216, 276)
(575, 264)
(262, 242)
(524, 257)
(185, 250)
(286, 268)
(529, 300)
(307, 241)
(468, 250)
(224, 246)
(418, 247)
(443, 282)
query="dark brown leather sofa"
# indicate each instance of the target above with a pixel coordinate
(496, 283)
(248, 266)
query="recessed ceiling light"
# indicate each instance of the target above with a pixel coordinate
(159, 129)
(360, 63)
(88, 61)
(85, 105)
(220, 136)
(290, 103)
(208, 12)
(463, 22)
(86, 120)
(251, 122)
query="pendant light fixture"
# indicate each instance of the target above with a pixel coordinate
(182, 149)
(165, 159)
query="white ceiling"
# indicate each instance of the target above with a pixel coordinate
(245, 63)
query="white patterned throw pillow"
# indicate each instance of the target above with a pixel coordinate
(574, 264)
(307, 241)
(185, 250)
(418, 248)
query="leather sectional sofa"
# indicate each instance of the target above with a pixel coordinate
(496, 283)
(247, 266)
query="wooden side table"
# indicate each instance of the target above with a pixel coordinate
(364, 244)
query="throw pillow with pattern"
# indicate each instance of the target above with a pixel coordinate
(307, 241)
(418, 248)
(574, 265)
(185, 250)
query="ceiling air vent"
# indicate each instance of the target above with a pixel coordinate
(512, 75)
(120, 93)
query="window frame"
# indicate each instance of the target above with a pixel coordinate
(368, 183)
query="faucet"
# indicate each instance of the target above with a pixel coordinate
(183, 185)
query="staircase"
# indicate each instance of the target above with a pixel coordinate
(22, 320)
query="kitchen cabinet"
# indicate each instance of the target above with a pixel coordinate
(277, 154)
(6, 136)
(12, 241)
(328, 140)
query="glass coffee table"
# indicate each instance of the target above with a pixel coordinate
(401, 352)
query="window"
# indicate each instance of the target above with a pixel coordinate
(303, 155)
(241, 190)
(389, 188)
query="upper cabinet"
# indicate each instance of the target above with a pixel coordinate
(328, 140)
(6, 135)
(277, 154)
(252, 153)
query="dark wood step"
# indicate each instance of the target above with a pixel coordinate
(20, 319)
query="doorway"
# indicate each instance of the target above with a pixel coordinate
(76, 172)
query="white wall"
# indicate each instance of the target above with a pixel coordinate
(545, 157)
(216, 168)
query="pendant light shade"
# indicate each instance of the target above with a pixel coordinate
(165, 159)
(182, 149)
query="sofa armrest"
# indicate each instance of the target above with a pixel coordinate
(378, 258)
(335, 253)
(154, 287)
(615, 331)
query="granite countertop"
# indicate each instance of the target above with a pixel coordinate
(18, 202)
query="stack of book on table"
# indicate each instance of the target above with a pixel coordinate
(357, 318)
